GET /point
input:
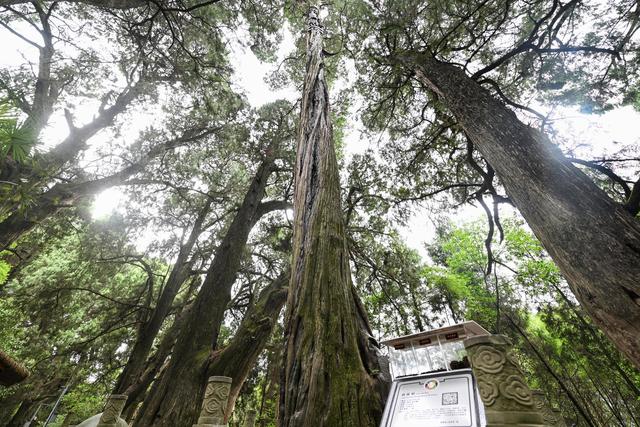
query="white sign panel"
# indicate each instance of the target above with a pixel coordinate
(433, 401)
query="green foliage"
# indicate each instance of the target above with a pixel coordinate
(16, 141)
(5, 267)
(76, 296)
(526, 298)
(529, 300)
(67, 315)
(339, 130)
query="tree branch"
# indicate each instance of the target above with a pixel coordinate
(270, 206)
(606, 171)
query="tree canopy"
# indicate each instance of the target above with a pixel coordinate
(413, 165)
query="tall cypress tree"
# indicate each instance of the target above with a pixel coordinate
(331, 373)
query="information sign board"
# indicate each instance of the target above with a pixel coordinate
(444, 399)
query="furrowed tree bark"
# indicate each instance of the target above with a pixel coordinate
(331, 375)
(238, 358)
(594, 241)
(149, 330)
(176, 399)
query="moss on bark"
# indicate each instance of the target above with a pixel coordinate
(331, 376)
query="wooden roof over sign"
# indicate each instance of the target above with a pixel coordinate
(455, 332)
(11, 372)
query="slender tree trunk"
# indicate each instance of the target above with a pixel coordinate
(175, 400)
(148, 332)
(594, 241)
(271, 382)
(238, 358)
(331, 368)
(616, 361)
(136, 391)
(415, 308)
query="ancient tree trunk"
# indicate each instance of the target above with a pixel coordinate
(175, 400)
(149, 330)
(238, 358)
(329, 372)
(8, 406)
(594, 241)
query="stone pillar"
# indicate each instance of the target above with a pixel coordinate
(250, 420)
(112, 410)
(214, 404)
(508, 400)
(552, 417)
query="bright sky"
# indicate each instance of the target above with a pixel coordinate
(596, 135)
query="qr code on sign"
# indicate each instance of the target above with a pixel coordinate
(450, 398)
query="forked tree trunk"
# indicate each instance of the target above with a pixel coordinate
(238, 358)
(594, 241)
(175, 399)
(331, 371)
(153, 366)
(134, 368)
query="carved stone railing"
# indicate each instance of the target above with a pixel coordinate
(507, 399)
(551, 416)
(112, 410)
(214, 404)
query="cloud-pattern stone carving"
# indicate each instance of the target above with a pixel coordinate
(507, 398)
(215, 399)
(488, 391)
(488, 360)
(515, 389)
(112, 410)
(214, 404)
